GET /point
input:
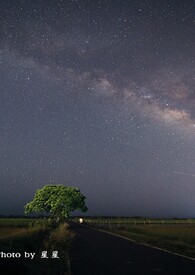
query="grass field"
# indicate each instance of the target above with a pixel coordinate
(35, 235)
(20, 222)
(12, 228)
(175, 235)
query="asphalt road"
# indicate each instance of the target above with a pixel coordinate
(98, 253)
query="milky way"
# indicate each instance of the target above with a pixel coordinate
(99, 95)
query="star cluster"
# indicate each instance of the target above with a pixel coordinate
(99, 95)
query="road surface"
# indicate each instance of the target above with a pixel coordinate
(98, 253)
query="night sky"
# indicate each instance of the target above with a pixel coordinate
(99, 95)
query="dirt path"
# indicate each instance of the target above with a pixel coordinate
(98, 253)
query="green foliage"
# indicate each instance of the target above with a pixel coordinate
(59, 200)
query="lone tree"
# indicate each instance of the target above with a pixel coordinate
(59, 200)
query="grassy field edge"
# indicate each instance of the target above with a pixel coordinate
(177, 236)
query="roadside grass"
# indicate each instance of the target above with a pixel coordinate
(60, 240)
(178, 239)
(35, 236)
(177, 236)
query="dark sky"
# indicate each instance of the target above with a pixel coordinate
(99, 95)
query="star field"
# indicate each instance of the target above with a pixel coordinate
(99, 95)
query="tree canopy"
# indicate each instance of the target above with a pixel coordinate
(59, 200)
